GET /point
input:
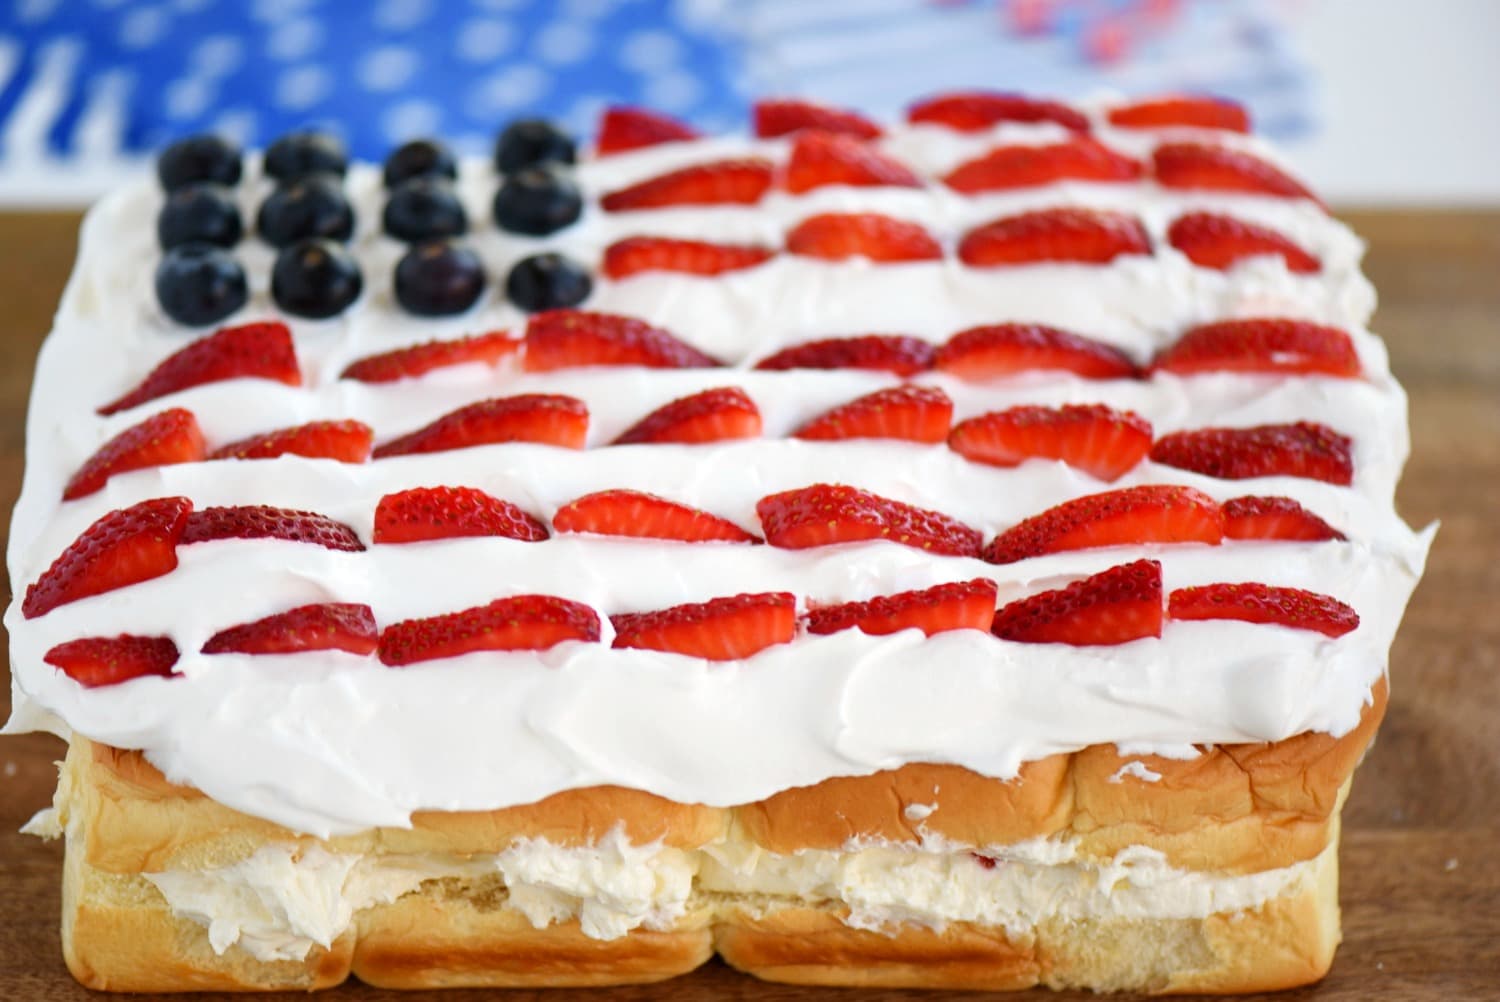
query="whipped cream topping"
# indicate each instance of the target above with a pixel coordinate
(329, 742)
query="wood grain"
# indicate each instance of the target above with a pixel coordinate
(1421, 889)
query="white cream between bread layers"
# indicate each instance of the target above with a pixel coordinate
(328, 742)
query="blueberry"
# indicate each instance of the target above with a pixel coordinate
(420, 158)
(537, 201)
(199, 213)
(315, 278)
(199, 158)
(199, 284)
(424, 208)
(532, 141)
(312, 206)
(439, 277)
(547, 281)
(298, 154)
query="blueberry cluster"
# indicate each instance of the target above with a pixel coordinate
(438, 275)
(198, 281)
(308, 219)
(538, 197)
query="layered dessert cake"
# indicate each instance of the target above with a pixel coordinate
(957, 552)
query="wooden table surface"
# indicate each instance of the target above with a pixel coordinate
(1421, 856)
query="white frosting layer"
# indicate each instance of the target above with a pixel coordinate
(330, 742)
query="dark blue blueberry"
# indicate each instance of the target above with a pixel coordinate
(532, 141)
(199, 284)
(424, 208)
(315, 278)
(439, 277)
(313, 206)
(199, 158)
(298, 154)
(537, 201)
(547, 281)
(199, 213)
(419, 158)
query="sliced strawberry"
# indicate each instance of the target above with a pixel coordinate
(823, 158)
(521, 623)
(122, 548)
(725, 629)
(1211, 240)
(1006, 349)
(549, 419)
(258, 521)
(894, 353)
(1304, 449)
(623, 128)
(344, 441)
(420, 359)
(1262, 344)
(96, 661)
(707, 416)
(1112, 607)
(335, 626)
(1157, 513)
(645, 516)
(968, 605)
(781, 117)
(912, 413)
(1260, 603)
(1274, 518)
(1200, 167)
(634, 255)
(723, 182)
(1085, 236)
(161, 440)
(835, 236)
(424, 513)
(253, 351)
(1181, 111)
(824, 514)
(973, 111)
(1099, 440)
(1006, 167)
(561, 339)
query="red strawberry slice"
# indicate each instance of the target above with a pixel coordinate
(912, 413)
(424, 513)
(781, 117)
(708, 416)
(1008, 167)
(824, 158)
(335, 626)
(1262, 344)
(634, 255)
(96, 661)
(725, 629)
(835, 236)
(1304, 449)
(1213, 241)
(1084, 236)
(1113, 607)
(561, 339)
(645, 516)
(549, 419)
(1156, 513)
(1201, 167)
(968, 605)
(161, 440)
(1274, 518)
(253, 351)
(343, 441)
(823, 514)
(1099, 440)
(124, 547)
(521, 623)
(723, 182)
(973, 111)
(420, 359)
(1006, 349)
(1181, 111)
(894, 353)
(1260, 603)
(258, 521)
(624, 128)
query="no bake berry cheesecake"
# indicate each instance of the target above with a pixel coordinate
(958, 552)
